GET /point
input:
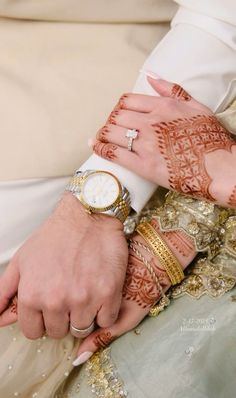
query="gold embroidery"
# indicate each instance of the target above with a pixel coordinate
(103, 377)
(200, 220)
(213, 230)
(206, 278)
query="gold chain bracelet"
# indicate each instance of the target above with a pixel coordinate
(162, 251)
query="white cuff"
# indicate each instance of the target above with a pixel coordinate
(140, 189)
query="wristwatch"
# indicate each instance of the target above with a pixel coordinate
(101, 192)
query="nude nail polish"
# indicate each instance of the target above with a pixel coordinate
(150, 74)
(82, 358)
(91, 142)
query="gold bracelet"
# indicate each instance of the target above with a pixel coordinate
(155, 279)
(164, 301)
(162, 251)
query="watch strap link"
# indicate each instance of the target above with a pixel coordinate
(122, 208)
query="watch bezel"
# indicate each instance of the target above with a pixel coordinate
(99, 209)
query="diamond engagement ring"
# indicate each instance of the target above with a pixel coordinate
(131, 135)
(82, 333)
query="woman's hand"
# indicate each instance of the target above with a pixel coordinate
(180, 144)
(140, 292)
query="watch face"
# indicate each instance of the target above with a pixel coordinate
(100, 190)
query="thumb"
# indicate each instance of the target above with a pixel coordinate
(168, 89)
(175, 91)
(102, 337)
(9, 282)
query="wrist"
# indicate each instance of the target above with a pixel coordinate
(175, 243)
(69, 207)
(223, 178)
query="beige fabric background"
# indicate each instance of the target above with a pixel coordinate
(59, 80)
(122, 11)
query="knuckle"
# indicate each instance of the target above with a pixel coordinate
(53, 305)
(152, 120)
(108, 291)
(144, 124)
(80, 297)
(148, 146)
(26, 300)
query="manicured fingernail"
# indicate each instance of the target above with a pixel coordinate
(82, 358)
(91, 142)
(150, 74)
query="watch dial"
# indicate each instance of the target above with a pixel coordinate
(100, 190)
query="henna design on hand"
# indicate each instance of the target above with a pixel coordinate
(103, 339)
(102, 135)
(232, 198)
(107, 151)
(121, 103)
(184, 143)
(179, 93)
(179, 239)
(112, 117)
(13, 305)
(139, 285)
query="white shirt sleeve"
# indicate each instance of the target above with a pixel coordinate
(199, 54)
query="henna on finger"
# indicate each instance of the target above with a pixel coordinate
(102, 134)
(232, 198)
(13, 305)
(121, 104)
(107, 151)
(179, 93)
(103, 339)
(112, 118)
(184, 144)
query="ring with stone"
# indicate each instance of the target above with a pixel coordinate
(82, 333)
(131, 135)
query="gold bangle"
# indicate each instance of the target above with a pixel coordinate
(162, 251)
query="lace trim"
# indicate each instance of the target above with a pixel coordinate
(206, 278)
(202, 221)
(230, 236)
(103, 376)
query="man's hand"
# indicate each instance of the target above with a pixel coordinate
(72, 269)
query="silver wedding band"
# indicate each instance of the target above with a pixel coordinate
(82, 333)
(131, 135)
